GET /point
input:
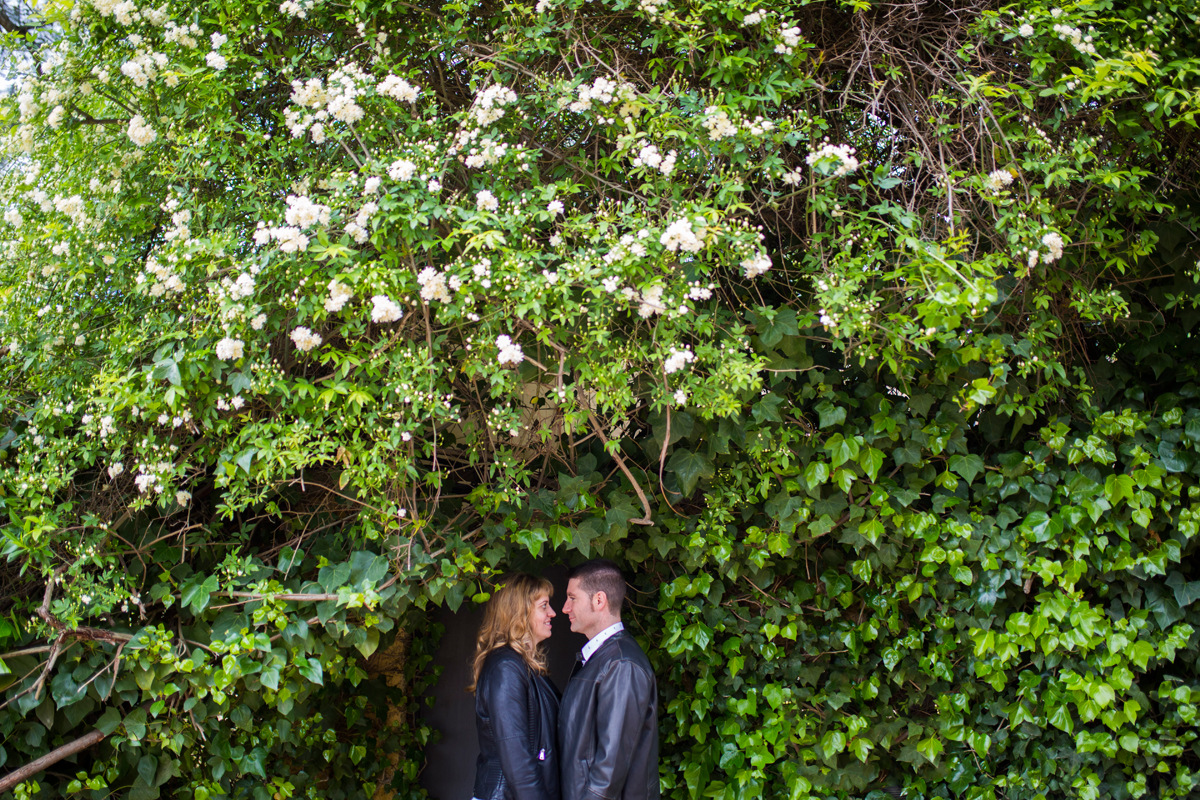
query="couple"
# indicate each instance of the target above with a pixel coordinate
(602, 743)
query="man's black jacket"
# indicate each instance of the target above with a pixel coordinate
(516, 712)
(608, 726)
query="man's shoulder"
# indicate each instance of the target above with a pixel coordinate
(622, 647)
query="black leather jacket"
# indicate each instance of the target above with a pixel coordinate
(516, 714)
(608, 726)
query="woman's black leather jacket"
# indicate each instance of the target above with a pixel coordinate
(516, 714)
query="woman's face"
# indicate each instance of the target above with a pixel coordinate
(539, 619)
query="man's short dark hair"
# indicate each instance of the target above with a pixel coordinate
(601, 575)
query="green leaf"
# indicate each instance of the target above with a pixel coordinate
(147, 768)
(967, 466)
(828, 414)
(109, 721)
(166, 368)
(931, 748)
(1118, 487)
(771, 331)
(135, 723)
(832, 743)
(689, 468)
(311, 669)
(1061, 718)
(196, 593)
(245, 459)
(369, 645)
(1186, 592)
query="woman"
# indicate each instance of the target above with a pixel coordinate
(516, 705)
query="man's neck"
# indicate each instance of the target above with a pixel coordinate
(596, 641)
(603, 628)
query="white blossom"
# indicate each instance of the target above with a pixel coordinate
(384, 309)
(756, 265)
(230, 349)
(510, 351)
(305, 339)
(139, 132)
(339, 295)
(679, 358)
(486, 201)
(840, 156)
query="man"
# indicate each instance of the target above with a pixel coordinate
(608, 721)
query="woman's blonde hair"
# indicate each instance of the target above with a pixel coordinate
(506, 621)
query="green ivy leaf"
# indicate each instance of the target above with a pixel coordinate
(689, 468)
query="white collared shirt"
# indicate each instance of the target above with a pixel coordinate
(600, 638)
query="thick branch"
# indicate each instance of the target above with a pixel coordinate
(54, 756)
(616, 454)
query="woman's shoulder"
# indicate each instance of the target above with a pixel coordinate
(502, 657)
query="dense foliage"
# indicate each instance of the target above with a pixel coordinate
(860, 332)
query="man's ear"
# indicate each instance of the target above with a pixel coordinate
(600, 601)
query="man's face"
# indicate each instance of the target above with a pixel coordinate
(580, 608)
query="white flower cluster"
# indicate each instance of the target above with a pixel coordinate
(402, 170)
(1053, 243)
(107, 425)
(753, 18)
(398, 89)
(186, 35)
(433, 285)
(652, 8)
(1076, 37)
(488, 152)
(626, 247)
(384, 310)
(839, 157)
(489, 104)
(603, 91)
(232, 404)
(680, 236)
(718, 124)
(13, 217)
(336, 99)
(301, 213)
(165, 279)
(150, 476)
(290, 239)
(678, 360)
(650, 156)
(998, 179)
(358, 227)
(126, 13)
(143, 68)
(139, 132)
(790, 34)
(305, 339)
(238, 289)
(510, 351)
(1026, 30)
(180, 217)
(649, 301)
(486, 201)
(229, 349)
(216, 61)
(297, 8)
(339, 295)
(115, 469)
(756, 265)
